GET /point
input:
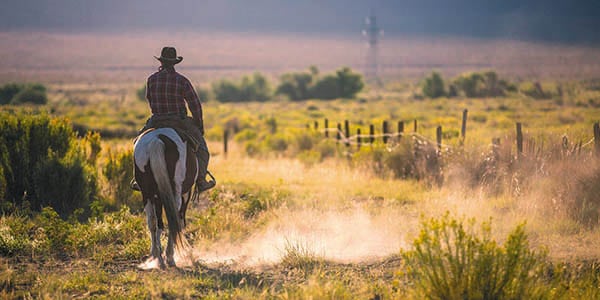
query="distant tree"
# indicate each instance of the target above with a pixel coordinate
(470, 84)
(487, 84)
(326, 88)
(8, 91)
(296, 85)
(141, 93)
(349, 83)
(204, 94)
(32, 93)
(306, 85)
(227, 91)
(15, 93)
(433, 87)
(249, 88)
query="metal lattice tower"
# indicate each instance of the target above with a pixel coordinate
(372, 32)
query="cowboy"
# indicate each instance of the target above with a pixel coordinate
(167, 92)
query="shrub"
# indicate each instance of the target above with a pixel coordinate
(486, 84)
(141, 93)
(227, 91)
(20, 94)
(326, 88)
(204, 94)
(433, 87)
(295, 85)
(306, 85)
(8, 91)
(451, 260)
(44, 163)
(64, 184)
(250, 88)
(277, 142)
(349, 83)
(119, 172)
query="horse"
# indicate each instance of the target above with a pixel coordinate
(165, 170)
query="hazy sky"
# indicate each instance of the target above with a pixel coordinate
(558, 20)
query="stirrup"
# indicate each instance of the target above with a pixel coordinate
(134, 185)
(206, 185)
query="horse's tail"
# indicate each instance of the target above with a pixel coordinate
(166, 191)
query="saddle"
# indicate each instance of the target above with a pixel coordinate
(176, 125)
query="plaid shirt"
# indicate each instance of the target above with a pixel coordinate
(166, 91)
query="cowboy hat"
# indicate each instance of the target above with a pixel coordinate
(168, 55)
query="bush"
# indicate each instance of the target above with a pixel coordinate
(326, 88)
(64, 184)
(141, 93)
(433, 87)
(204, 94)
(44, 163)
(451, 260)
(295, 86)
(250, 88)
(8, 91)
(308, 85)
(14, 93)
(119, 172)
(486, 84)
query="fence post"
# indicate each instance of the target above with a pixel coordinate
(358, 138)
(347, 132)
(415, 126)
(400, 129)
(371, 134)
(519, 140)
(438, 135)
(339, 132)
(597, 137)
(463, 128)
(316, 124)
(326, 128)
(225, 138)
(385, 132)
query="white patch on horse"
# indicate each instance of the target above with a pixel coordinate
(142, 156)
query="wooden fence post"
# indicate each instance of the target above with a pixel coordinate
(438, 135)
(326, 128)
(339, 132)
(358, 138)
(347, 132)
(225, 138)
(463, 128)
(371, 134)
(597, 137)
(385, 131)
(400, 129)
(415, 126)
(519, 140)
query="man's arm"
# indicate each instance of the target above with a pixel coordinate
(194, 105)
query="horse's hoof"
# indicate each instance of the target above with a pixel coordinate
(171, 263)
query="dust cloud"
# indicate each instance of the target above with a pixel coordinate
(344, 236)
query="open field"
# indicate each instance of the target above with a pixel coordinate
(86, 58)
(295, 215)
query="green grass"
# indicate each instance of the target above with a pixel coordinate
(279, 200)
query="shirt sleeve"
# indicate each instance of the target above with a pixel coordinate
(193, 102)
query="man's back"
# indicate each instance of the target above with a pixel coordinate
(167, 92)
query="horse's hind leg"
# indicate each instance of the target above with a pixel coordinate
(155, 232)
(170, 252)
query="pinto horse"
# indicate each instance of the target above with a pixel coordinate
(165, 169)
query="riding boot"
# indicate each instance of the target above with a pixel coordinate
(201, 182)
